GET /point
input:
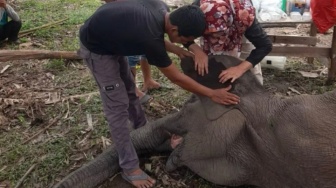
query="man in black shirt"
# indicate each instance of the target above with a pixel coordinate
(129, 27)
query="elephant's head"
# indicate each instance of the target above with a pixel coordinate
(247, 86)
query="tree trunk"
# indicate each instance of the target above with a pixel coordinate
(10, 55)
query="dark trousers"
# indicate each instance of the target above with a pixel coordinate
(120, 103)
(10, 31)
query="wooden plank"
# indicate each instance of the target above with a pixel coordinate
(10, 55)
(291, 39)
(294, 51)
(286, 21)
(270, 25)
(283, 23)
(300, 51)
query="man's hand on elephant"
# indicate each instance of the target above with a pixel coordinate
(222, 96)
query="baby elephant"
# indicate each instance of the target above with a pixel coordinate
(265, 140)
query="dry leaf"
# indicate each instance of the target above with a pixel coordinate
(4, 69)
(54, 97)
(3, 168)
(5, 184)
(89, 121)
(17, 86)
(11, 102)
(49, 75)
(294, 90)
(148, 167)
(106, 142)
(308, 74)
(25, 45)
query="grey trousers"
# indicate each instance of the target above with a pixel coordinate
(120, 103)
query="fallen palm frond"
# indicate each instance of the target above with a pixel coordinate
(29, 31)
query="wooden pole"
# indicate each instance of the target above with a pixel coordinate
(313, 33)
(10, 55)
(332, 68)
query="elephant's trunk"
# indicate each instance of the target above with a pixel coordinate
(94, 173)
(106, 165)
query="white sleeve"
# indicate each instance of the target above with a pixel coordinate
(11, 13)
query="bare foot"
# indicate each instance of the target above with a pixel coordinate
(139, 93)
(175, 140)
(139, 179)
(150, 84)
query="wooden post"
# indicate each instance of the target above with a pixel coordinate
(10, 55)
(332, 68)
(313, 32)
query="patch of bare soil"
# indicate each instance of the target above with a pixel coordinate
(299, 77)
(25, 89)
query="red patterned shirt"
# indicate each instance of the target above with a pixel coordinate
(227, 22)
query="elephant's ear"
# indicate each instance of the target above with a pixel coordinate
(213, 110)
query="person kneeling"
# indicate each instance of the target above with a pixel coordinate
(9, 29)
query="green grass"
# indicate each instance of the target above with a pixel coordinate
(53, 150)
(56, 65)
(62, 36)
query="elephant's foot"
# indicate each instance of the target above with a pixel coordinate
(174, 161)
(175, 140)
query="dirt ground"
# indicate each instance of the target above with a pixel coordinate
(35, 92)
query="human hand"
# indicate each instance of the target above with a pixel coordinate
(235, 72)
(222, 96)
(201, 63)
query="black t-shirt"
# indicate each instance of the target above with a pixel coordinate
(127, 28)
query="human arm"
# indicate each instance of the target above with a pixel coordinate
(177, 50)
(201, 58)
(156, 54)
(221, 96)
(263, 45)
(11, 13)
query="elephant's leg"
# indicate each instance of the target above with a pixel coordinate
(174, 161)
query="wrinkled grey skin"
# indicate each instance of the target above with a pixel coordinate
(264, 141)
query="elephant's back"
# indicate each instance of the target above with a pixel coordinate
(305, 136)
